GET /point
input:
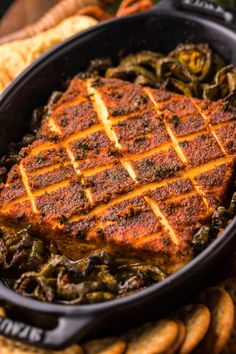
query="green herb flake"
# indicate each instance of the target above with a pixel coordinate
(226, 106)
(84, 146)
(97, 83)
(81, 236)
(40, 159)
(117, 95)
(87, 105)
(166, 240)
(99, 231)
(118, 111)
(121, 124)
(89, 96)
(64, 122)
(175, 121)
(17, 186)
(145, 124)
(203, 137)
(166, 171)
(63, 220)
(140, 140)
(83, 195)
(149, 163)
(139, 100)
(184, 143)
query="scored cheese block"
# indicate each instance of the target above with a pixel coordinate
(134, 170)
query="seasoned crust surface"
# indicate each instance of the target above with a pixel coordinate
(131, 169)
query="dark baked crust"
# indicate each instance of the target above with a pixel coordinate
(134, 170)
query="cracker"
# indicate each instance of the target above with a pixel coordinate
(8, 346)
(230, 286)
(221, 308)
(180, 339)
(153, 338)
(108, 345)
(196, 318)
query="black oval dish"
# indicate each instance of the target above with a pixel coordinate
(54, 325)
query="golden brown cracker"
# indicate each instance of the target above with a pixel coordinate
(153, 338)
(180, 339)
(8, 346)
(221, 308)
(196, 318)
(230, 286)
(110, 345)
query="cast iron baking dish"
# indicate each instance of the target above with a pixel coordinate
(161, 29)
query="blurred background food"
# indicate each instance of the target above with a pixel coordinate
(19, 46)
(29, 28)
(17, 55)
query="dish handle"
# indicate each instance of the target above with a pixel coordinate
(212, 10)
(67, 331)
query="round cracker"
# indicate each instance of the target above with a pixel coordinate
(230, 286)
(196, 318)
(153, 338)
(180, 339)
(109, 345)
(11, 347)
(221, 308)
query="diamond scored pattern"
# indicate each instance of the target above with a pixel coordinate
(154, 159)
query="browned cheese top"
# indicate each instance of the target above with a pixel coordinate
(131, 169)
